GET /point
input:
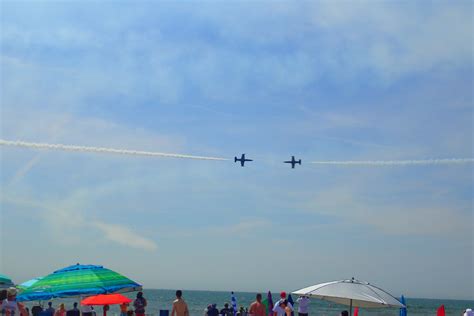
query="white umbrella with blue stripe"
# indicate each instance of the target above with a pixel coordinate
(352, 293)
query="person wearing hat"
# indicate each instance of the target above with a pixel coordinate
(277, 304)
(10, 306)
(282, 309)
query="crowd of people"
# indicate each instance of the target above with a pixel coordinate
(10, 307)
(282, 307)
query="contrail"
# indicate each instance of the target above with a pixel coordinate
(376, 163)
(102, 150)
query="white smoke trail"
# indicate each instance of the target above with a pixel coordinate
(56, 130)
(376, 163)
(102, 150)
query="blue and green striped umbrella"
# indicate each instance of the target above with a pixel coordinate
(78, 280)
(5, 282)
(25, 285)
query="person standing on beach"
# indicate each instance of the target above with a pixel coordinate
(36, 310)
(226, 311)
(282, 298)
(74, 311)
(303, 304)
(213, 311)
(140, 304)
(123, 309)
(9, 306)
(61, 311)
(50, 310)
(257, 308)
(86, 310)
(282, 309)
(180, 308)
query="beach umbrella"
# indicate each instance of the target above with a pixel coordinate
(351, 292)
(403, 310)
(5, 282)
(290, 300)
(78, 280)
(265, 303)
(23, 286)
(270, 303)
(105, 299)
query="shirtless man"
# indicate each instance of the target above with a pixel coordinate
(180, 308)
(257, 308)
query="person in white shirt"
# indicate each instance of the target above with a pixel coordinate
(303, 305)
(282, 309)
(282, 298)
(468, 312)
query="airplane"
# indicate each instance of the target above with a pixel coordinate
(293, 162)
(242, 160)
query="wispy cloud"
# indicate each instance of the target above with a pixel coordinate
(241, 227)
(124, 236)
(68, 224)
(396, 40)
(353, 205)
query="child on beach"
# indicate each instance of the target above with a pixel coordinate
(123, 309)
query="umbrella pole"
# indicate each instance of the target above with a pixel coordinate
(350, 309)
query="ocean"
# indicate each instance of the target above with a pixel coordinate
(198, 300)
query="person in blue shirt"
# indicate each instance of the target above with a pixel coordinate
(50, 310)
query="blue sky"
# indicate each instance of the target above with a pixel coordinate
(320, 80)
